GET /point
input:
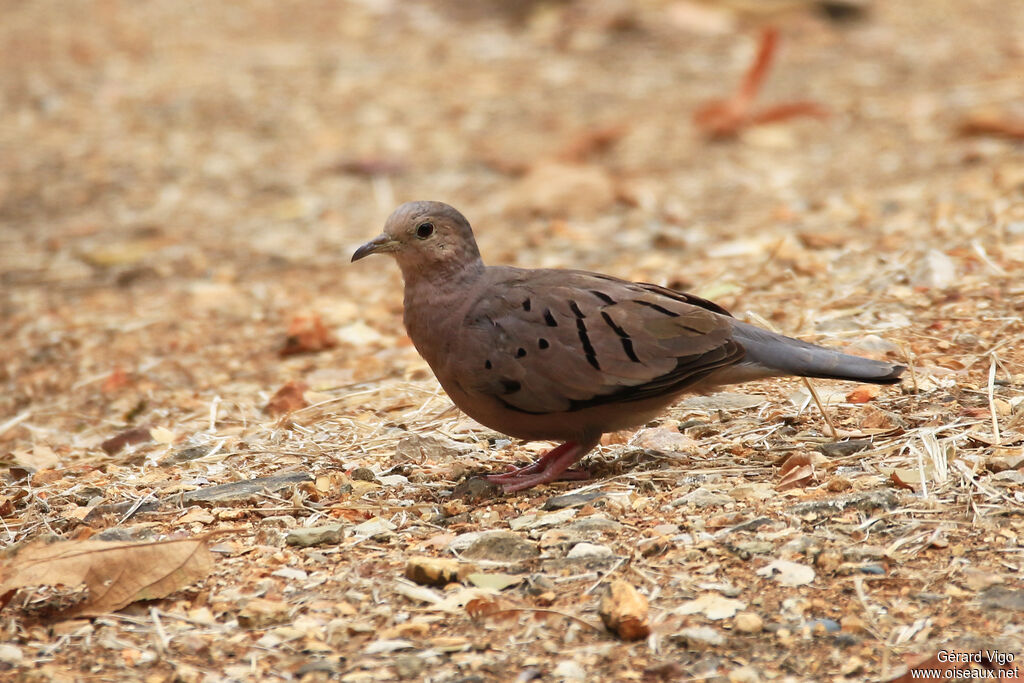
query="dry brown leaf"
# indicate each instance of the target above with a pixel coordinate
(993, 124)
(478, 608)
(116, 574)
(287, 399)
(876, 419)
(41, 457)
(797, 470)
(129, 437)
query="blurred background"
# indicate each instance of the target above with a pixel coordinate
(189, 176)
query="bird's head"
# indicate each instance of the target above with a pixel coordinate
(425, 238)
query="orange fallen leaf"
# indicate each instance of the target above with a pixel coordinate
(863, 394)
(116, 574)
(287, 399)
(307, 334)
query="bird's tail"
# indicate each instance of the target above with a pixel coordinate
(771, 354)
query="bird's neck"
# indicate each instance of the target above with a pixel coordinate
(435, 304)
(440, 276)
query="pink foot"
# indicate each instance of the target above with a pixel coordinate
(552, 466)
(538, 465)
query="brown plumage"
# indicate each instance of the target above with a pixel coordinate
(567, 355)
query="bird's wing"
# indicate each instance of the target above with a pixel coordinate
(544, 341)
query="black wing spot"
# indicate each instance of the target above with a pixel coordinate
(526, 305)
(659, 309)
(543, 343)
(549, 319)
(487, 365)
(603, 297)
(588, 348)
(611, 323)
(510, 386)
(627, 343)
(576, 309)
(521, 352)
(627, 346)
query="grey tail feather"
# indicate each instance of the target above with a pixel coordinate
(787, 356)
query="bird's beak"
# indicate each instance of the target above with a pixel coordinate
(378, 245)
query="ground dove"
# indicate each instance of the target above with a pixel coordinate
(567, 355)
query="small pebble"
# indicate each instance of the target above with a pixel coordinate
(589, 550)
(745, 674)
(304, 537)
(822, 626)
(11, 654)
(501, 546)
(748, 622)
(408, 666)
(568, 670)
(851, 623)
(363, 474)
(698, 637)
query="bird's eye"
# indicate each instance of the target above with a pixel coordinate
(424, 230)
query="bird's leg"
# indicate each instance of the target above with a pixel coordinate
(537, 465)
(552, 466)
